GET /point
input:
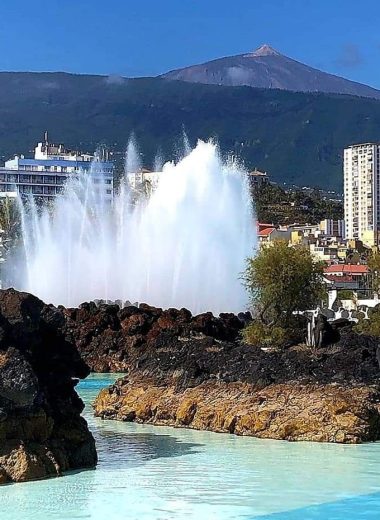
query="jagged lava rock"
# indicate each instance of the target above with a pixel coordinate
(114, 340)
(42, 432)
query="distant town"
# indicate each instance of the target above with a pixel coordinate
(340, 233)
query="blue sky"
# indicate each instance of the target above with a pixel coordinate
(147, 37)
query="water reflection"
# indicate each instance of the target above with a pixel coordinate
(116, 447)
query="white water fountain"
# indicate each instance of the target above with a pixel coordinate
(183, 247)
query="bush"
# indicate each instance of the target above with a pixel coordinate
(258, 334)
(345, 294)
(371, 326)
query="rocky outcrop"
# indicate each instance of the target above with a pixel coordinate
(42, 432)
(292, 411)
(195, 372)
(112, 339)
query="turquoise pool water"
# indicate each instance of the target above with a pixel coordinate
(157, 473)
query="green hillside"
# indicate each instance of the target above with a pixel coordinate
(296, 137)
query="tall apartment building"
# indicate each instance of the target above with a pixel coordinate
(361, 192)
(45, 175)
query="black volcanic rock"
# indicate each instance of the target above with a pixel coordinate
(113, 340)
(41, 430)
(172, 343)
(267, 68)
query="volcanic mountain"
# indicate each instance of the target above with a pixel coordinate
(267, 68)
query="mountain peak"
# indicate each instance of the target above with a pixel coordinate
(267, 68)
(264, 50)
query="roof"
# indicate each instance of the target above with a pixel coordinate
(262, 225)
(357, 145)
(61, 162)
(266, 232)
(340, 279)
(258, 173)
(346, 269)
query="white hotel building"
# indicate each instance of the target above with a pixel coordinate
(362, 192)
(45, 175)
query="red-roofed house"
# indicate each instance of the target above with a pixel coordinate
(262, 225)
(354, 271)
(270, 234)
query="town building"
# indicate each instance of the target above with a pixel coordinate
(328, 251)
(45, 175)
(354, 270)
(362, 192)
(143, 179)
(347, 276)
(333, 228)
(271, 234)
(257, 178)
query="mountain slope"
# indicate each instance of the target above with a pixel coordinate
(296, 137)
(267, 68)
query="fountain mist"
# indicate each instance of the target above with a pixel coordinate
(185, 246)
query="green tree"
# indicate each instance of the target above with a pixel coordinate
(374, 267)
(10, 222)
(280, 280)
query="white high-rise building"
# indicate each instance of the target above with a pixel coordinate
(45, 175)
(361, 192)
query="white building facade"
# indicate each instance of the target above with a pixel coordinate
(45, 175)
(361, 192)
(143, 177)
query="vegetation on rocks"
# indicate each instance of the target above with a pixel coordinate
(369, 326)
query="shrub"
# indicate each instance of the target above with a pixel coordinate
(370, 326)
